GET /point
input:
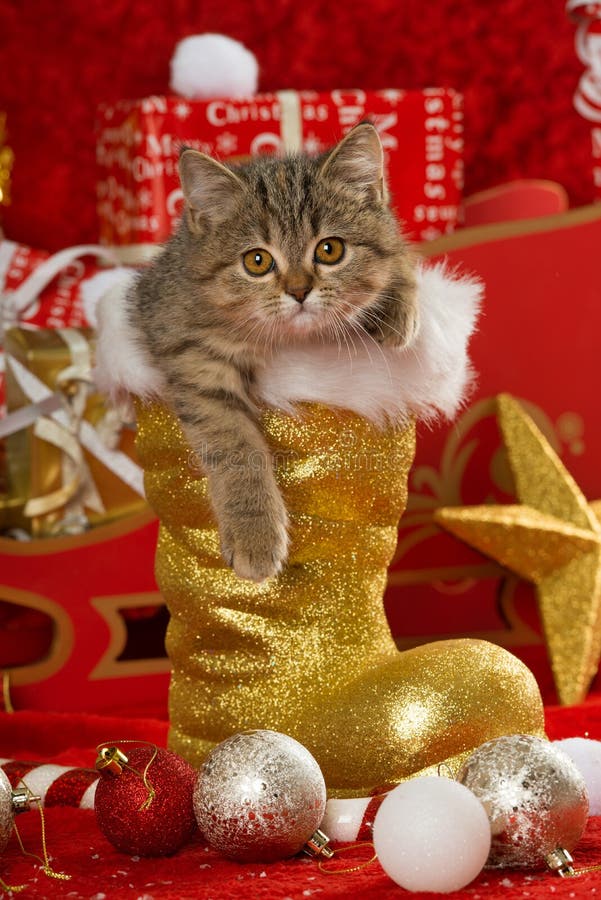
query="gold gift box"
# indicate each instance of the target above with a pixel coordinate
(35, 468)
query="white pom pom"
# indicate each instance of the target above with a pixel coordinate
(213, 65)
(432, 834)
(586, 756)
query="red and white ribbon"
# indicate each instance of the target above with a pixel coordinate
(587, 97)
(54, 785)
(351, 820)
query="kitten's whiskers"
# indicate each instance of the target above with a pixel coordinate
(358, 329)
(338, 324)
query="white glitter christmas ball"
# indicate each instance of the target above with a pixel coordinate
(431, 834)
(204, 66)
(259, 796)
(586, 756)
(534, 795)
(7, 813)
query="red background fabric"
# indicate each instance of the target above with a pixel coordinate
(513, 59)
(99, 872)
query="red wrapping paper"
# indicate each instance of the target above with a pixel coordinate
(60, 305)
(139, 198)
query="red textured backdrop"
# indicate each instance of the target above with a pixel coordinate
(514, 60)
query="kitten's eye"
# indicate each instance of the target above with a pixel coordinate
(329, 251)
(258, 262)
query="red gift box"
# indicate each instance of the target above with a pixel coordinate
(60, 302)
(537, 341)
(139, 197)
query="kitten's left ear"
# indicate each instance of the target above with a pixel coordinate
(358, 160)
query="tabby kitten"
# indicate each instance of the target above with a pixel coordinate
(271, 253)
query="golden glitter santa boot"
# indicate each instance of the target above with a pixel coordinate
(309, 653)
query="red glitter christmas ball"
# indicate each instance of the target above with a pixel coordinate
(142, 822)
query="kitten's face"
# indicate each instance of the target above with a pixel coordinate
(293, 248)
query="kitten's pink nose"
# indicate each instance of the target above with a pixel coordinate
(299, 292)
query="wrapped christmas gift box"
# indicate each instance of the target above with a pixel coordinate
(41, 290)
(139, 197)
(73, 466)
(61, 296)
(537, 341)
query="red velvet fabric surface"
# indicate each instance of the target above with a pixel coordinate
(513, 59)
(99, 872)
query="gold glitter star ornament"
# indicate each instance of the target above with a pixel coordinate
(553, 539)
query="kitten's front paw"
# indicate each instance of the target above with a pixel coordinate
(257, 548)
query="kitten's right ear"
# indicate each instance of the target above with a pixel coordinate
(210, 190)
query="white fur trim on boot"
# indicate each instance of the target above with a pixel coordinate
(429, 378)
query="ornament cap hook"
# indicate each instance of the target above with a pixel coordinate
(560, 861)
(111, 759)
(318, 845)
(22, 799)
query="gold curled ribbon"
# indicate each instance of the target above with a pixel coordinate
(50, 431)
(41, 395)
(78, 486)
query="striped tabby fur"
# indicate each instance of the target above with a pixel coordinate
(209, 325)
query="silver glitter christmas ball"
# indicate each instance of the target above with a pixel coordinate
(534, 796)
(259, 796)
(7, 812)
